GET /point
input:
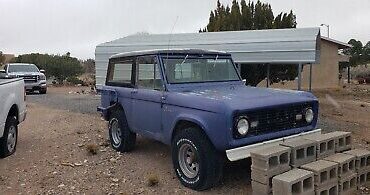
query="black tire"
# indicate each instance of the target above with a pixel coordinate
(210, 162)
(11, 122)
(127, 138)
(43, 91)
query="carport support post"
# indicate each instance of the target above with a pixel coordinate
(349, 74)
(268, 76)
(310, 84)
(299, 76)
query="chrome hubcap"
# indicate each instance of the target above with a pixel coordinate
(116, 132)
(188, 161)
(12, 138)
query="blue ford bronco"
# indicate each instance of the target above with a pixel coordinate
(195, 101)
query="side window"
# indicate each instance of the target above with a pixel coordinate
(120, 72)
(149, 75)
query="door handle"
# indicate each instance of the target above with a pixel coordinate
(163, 98)
(134, 91)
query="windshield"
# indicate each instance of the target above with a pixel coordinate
(22, 68)
(195, 70)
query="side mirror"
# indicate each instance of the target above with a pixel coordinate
(42, 71)
(244, 81)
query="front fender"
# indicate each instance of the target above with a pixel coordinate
(212, 124)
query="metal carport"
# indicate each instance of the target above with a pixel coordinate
(278, 46)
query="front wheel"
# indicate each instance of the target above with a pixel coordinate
(8, 142)
(196, 162)
(43, 91)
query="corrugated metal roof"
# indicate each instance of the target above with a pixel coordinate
(278, 46)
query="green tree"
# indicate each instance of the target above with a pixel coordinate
(355, 52)
(246, 21)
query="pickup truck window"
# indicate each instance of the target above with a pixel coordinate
(149, 76)
(120, 72)
(185, 70)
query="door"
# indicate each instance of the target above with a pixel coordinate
(147, 97)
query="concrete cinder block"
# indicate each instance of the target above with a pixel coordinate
(362, 159)
(348, 185)
(265, 177)
(261, 189)
(272, 159)
(295, 181)
(325, 172)
(343, 140)
(346, 164)
(329, 189)
(363, 178)
(325, 145)
(303, 151)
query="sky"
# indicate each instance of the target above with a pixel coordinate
(77, 26)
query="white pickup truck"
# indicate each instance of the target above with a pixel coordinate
(12, 112)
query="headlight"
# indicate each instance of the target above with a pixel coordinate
(308, 115)
(243, 126)
(42, 77)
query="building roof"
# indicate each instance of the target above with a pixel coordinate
(341, 45)
(169, 51)
(276, 46)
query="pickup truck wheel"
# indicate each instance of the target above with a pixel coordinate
(42, 91)
(8, 142)
(121, 137)
(196, 162)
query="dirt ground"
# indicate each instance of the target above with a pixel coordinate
(52, 155)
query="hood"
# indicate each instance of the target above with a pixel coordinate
(240, 97)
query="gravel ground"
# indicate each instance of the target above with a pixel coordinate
(67, 99)
(52, 155)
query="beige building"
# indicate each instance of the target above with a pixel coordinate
(326, 73)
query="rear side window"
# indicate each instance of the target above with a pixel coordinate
(149, 76)
(120, 72)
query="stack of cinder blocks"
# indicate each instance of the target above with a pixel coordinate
(362, 164)
(322, 164)
(267, 163)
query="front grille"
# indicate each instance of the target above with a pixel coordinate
(277, 119)
(29, 79)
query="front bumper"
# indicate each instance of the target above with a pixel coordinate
(245, 151)
(36, 86)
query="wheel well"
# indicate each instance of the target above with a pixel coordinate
(117, 106)
(182, 124)
(13, 111)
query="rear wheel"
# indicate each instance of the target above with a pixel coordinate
(121, 137)
(196, 162)
(8, 142)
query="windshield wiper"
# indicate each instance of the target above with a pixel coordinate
(184, 60)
